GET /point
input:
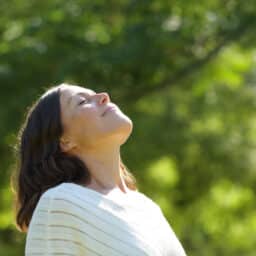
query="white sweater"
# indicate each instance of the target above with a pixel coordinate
(73, 220)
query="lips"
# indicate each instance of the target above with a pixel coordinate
(107, 109)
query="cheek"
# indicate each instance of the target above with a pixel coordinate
(88, 122)
(88, 116)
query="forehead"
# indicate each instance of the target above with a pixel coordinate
(71, 90)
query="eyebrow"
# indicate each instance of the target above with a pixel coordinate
(80, 93)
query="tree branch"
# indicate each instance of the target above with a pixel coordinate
(195, 65)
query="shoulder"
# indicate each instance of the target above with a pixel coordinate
(58, 206)
(56, 198)
(148, 201)
(53, 192)
(56, 223)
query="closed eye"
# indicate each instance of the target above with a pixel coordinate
(81, 102)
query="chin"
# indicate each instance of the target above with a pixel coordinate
(123, 131)
(126, 131)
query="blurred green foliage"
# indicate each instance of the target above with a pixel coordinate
(184, 71)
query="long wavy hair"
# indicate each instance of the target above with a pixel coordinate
(40, 164)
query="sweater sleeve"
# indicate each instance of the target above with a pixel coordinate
(54, 229)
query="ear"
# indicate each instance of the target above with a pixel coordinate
(66, 145)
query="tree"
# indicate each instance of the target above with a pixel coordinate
(183, 71)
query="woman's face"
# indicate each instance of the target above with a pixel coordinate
(86, 123)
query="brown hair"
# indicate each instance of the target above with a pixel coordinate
(40, 163)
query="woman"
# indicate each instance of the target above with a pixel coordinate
(74, 196)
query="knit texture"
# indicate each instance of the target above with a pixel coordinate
(71, 219)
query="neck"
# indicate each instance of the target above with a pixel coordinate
(104, 168)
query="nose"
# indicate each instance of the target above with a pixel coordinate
(104, 98)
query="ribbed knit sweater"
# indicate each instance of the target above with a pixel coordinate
(70, 219)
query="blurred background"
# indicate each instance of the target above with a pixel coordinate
(183, 71)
